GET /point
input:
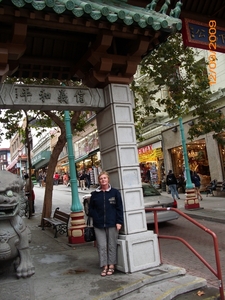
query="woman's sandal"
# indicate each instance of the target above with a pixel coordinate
(104, 272)
(110, 271)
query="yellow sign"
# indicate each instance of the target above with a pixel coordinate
(149, 154)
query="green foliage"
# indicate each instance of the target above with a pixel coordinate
(173, 82)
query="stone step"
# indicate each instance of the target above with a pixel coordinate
(160, 283)
(167, 289)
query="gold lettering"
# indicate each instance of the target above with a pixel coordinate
(222, 36)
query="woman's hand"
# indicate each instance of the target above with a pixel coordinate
(118, 226)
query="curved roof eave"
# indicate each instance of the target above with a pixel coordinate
(114, 12)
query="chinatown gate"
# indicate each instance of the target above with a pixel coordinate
(102, 45)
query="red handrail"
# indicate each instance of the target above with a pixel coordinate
(218, 272)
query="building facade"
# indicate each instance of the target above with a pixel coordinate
(4, 158)
(86, 151)
(205, 154)
(18, 154)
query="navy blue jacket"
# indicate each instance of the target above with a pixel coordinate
(106, 208)
(196, 180)
(171, 179)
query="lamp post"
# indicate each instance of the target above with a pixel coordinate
(76, 205)
(76, 230)
(20, 154)
(191, 201)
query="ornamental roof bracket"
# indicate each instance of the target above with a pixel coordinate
(165, 7)
(173, 13)
(177, 10)
(152, 5)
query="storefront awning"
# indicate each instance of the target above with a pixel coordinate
(81, 158)
(93, 152)
(41, 159)
(76, 160)
(12, 164)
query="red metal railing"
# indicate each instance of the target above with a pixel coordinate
(217, 272)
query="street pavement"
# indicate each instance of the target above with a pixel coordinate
(211, 208)
(72, 271)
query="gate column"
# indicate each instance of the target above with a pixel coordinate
(137, 247)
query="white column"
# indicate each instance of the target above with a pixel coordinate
(120, 159)
(215, 165)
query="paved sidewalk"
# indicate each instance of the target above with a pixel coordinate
(212, 208)
(72, 271)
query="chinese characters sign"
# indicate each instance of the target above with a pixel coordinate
(196, 34)
(23, 96)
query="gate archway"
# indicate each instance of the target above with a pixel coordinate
(102, 45)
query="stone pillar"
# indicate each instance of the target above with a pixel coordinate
(119, 158)
(215, 166)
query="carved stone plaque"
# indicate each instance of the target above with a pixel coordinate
(45, 97)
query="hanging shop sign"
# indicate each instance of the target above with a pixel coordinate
(207, 36)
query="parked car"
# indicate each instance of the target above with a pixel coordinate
(86, 199)
(152, 198)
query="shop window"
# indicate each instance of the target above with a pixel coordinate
(96, 160)
(86, 144)
(89, 163)
(197, 158)
(151, 164)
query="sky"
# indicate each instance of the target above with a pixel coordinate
(5, 144)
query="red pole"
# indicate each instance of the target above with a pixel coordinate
(217, 273)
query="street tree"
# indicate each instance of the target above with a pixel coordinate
(41, 120)
(174, 80)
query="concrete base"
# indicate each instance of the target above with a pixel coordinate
(191, 201)
(138, 251)
(76, 231)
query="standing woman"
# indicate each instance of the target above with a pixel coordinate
(40, 178)
(171, 181)
(106, 209)
(195, 178)
(29, 190)
(65, 179)
(82, 181)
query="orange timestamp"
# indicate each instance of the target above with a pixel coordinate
(212, 52)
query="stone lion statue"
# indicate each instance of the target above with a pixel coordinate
(14, 235)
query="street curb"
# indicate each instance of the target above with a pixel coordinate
(204, 217)
(168, 273)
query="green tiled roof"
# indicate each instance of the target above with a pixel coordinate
(113, 11)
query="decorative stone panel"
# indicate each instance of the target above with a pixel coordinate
(145, 243)
(125, 178)
(124, 156)
(118, 93)
(135, 221)
(133, 199)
